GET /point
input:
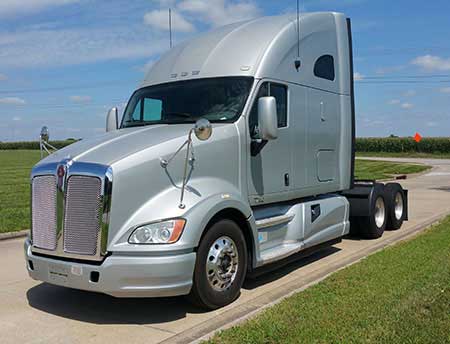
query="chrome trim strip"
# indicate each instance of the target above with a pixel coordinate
(287, 249)
(106, 211)
(105, 174)
(273, 221)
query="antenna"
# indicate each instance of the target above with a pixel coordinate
(297, 62)
(170, 27)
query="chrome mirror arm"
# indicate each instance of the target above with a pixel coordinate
(203, 131)
(189, 150)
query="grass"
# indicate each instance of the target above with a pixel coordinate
(405, 155)
(379, 170)
(398, 295)
(15, 167)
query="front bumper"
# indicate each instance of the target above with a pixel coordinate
(118, 275)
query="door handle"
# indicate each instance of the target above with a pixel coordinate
(322, 112)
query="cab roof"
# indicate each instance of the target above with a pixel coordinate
(261, 48)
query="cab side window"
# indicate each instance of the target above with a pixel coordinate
(274, 90)
(280, 94)
(324, 67)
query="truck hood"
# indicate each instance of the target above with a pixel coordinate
(110, 147)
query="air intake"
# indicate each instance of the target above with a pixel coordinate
(82, 215)
(43, 221)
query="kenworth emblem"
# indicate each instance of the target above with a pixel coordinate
(61, 172)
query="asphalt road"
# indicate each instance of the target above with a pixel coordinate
(33, 312)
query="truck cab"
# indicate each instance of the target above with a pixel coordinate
(236, 151)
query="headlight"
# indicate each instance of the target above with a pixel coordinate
(165, 232)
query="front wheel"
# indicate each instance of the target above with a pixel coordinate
(220, 267)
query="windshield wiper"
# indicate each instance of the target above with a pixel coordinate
(131, 124)
(179, 114)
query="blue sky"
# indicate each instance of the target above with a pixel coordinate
(63, 63)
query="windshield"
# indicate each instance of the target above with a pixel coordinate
(217, 99)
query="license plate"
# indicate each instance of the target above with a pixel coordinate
(58, 274)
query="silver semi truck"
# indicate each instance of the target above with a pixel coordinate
(235, 152)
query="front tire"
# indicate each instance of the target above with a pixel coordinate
(220, 267)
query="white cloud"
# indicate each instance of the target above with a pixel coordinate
(431, 124)
(389, 70)
(16, 119)
(220, 12)
(445, 90)
(77, 46)
(81, 99)
(358, 76)
(407, 106)
(432, 63)
(12, 101)
(394, 102)
(409, 93)
(159, 19)
(3, 77)
(17, 7)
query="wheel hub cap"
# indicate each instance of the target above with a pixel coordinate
(380, 212)
(398, 206)
(222, 263)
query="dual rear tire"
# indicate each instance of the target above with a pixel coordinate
(387, 210)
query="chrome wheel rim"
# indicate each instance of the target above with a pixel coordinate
(380, 212)
(222, 263)
(398, 206)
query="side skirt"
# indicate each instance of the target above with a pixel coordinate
(295, 257)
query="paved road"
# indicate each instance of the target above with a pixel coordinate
(32, 312)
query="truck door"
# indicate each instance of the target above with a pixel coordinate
(269, 170)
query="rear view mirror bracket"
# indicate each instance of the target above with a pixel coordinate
(256, 146)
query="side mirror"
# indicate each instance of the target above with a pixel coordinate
(267, 118)
(44, 145)
(44, 136)
(203, 129)
(112, 120)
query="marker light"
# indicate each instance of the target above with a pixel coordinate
(165, 232)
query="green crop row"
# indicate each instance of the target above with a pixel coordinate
(403, 145)
(32, 144)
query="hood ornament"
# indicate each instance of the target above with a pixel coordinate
(203, 131)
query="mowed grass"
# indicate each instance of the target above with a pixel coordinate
(405, 155)
(15, 168)
(370, 169)
(399, 295)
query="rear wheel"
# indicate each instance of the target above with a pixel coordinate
(373, 226)
(395, 205)
(220, 267)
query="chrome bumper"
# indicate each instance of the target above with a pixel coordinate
(119, 276)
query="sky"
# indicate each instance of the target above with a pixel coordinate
(64, 63)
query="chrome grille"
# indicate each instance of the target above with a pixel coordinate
(82, 215)
(43, 219)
